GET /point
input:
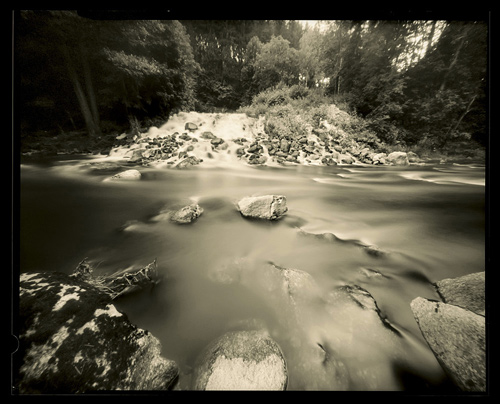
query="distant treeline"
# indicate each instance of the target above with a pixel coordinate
(412, 81)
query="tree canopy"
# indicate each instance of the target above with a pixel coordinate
(412, 81)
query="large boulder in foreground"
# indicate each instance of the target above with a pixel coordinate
(241, 360)
(73, 340)
(466, 291)
(457, 338)
(270, 207)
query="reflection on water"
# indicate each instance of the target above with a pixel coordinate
(426, 222)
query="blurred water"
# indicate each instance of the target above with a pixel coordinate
(428, 221)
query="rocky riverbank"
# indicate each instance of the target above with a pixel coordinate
(192, 138)
(455, 329)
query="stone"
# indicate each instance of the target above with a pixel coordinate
(254, 159)
(188, 162)
(190, 126)
(379, 156)
(466, 291)
(187, 214)
(398, 159)
(126, 175)
(72, 339)
(457, 338)
(241, 360)
(137, 155)
(216, 141)
(208, 135)
(284, 145)
(329, 161)
(413, 157)
(365, 300)
(345, 159)
(270, 207)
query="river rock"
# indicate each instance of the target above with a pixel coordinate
(187, 214)
(190, 126)
(413, 157)
(398, 159)
(241, 360)
(363, 299)
(188, 162)
(379, 157)
(208, 135)
(216, 141)
(73, 340)
(345, 159)
(284, 145)
(270, 207)
(466, 291)
(137, 155)
(457, 338)
(126, 175)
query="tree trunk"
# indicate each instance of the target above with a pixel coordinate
(467, 110)
(90, 88)
(92, 128)
(454, 60)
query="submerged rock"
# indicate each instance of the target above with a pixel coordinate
(364, 300)
(73, 340)
(466, 291)
(457, 338)
(241, 360)
(187, 214)
(126, 175)
(270, 207)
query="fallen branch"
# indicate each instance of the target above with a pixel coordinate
(121, 282)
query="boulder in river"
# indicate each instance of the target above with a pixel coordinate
(187, 214)
(188, 162)
(270, 207)
(190, 126)
(126, 175)
(398, 159)
(466, 291)
(73, 340)
(456, 336)
(241, 360)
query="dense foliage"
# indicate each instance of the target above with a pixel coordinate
(406, 82)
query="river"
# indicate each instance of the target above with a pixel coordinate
(428, 220)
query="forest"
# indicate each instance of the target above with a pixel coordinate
(411, 82)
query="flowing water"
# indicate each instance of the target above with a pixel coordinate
(428, 220)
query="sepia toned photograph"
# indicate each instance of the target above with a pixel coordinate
(249, 204)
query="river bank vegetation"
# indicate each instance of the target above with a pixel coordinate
(412, 85)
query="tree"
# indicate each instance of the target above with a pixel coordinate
(64, 42)
(276, 62)
(149, 68)
(310, 56)
(446, 90)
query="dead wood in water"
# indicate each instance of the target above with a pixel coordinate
(120, 282)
